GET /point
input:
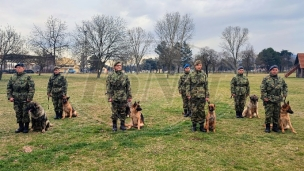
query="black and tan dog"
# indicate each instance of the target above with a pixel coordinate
(285, 121)
(137, 118)
(68, 110)
(39, 119)
(251, 110)
(210, 118)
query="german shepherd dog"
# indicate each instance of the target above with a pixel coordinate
(68, 110)
(39, 119)
(210, 118)
(285, 121)
(251, 110)
(137, 118)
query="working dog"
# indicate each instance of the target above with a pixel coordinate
(285, 121)
(67, 109)
(137, 118)
(210, 118)
(39, 119)
(251, 110)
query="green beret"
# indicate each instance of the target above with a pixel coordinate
(197, 62)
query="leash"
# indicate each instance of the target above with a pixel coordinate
(48, 102)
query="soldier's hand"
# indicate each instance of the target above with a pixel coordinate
(28, 100)
(266, 99)
(110, 100)
(233, 95)
(207, 99)
(11, 99)
(49, 95)
(129, 100)
(189, 97)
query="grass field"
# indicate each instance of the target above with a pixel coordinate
(165, 143)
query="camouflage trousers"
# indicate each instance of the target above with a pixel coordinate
(272, 112)
(198, 110)
(239, 103)
(119, 110)
(57, 102)
(186, 102)
(22, 114)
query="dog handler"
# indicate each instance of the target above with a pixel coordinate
(182, 90)
(240, 90)
(57, 88)
(119, 94)
(197, 92)
(273, 89)
(21, 90)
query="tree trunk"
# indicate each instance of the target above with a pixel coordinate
(137, 69)
(101, 65)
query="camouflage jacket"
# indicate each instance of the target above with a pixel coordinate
(21, 87)
(182, 83)
(57, 85)
(118, 86)
(239, 85)
(197, 85)
(273, 87)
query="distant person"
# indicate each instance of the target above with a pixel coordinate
(273, 90)
(182, 90)
(21, 90)
(57, 88)
(119, 94)
(240, 90)
(198, 93)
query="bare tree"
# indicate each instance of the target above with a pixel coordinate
(208, 57)
(248, 57)
(10, 43)
(139, 42)
(52, 40)
(105, 38)
(233, 39)
(173, 29)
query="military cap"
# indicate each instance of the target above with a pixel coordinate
(197, 62)
(118, 62)
(19, 64)
(186, 66)
(56, 67)
(273, 66)
(240, 67)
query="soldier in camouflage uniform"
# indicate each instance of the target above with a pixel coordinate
(57, 88)
(197, 92)
(273, 89)
(240, 90)
(21, 90)
(119, 94)
(182, 90)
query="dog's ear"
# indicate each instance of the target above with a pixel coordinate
(138, 102)
(288, 102)
(68, 98)
(208, 102)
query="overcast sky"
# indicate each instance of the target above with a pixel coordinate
(271, 23)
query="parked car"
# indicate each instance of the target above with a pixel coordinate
(29, 71)
(71, 70)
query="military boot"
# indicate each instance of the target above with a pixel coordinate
(237, 114)
(240, 115)
(60, 114)
(122, 125)
(202, 128)
(193, 126)
(57, 115)
(21, 127)
(114, 125)
(267, 129)
(26, 127)
(275, 128)
(186, 113)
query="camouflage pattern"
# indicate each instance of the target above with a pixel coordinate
(197, 89)
(21, 87)
(182, 90)
(274, 88)
(119, 90)
(239, 85)
(57, 87)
